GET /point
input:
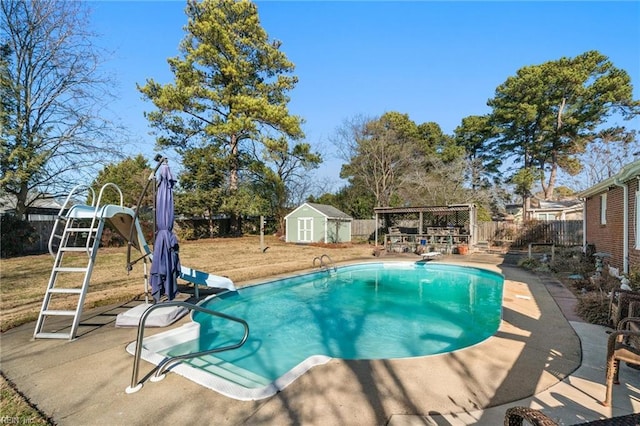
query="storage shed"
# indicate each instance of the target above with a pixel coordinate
(317, 223)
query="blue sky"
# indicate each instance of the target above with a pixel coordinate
(435, 61)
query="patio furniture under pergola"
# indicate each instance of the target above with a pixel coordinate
(427, 228)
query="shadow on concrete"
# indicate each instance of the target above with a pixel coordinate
(534, 349)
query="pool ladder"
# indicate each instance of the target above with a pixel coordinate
(158, 371)
(325, 263)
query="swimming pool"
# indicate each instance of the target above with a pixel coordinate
(365, 311)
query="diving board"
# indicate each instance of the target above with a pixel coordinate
(430, 255)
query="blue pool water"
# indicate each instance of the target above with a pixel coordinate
(365, 311)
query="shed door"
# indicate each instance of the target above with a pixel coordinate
(305, 229)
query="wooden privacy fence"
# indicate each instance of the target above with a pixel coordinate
(42, 232)
(559, 232)
(362, 229)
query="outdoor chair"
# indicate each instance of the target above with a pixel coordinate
(621, 346)
(619, 305)
(515, 416)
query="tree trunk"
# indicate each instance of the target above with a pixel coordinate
(553, 174)
(233, 183)
(548, 190)
(234, 165)
(21, 202)
(211, 224)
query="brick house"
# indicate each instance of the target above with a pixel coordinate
(612, 217)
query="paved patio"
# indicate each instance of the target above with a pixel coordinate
(543, 357)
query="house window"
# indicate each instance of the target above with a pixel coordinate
(546, 216)
(603, 209)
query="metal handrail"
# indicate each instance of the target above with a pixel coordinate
(96, 204)
(158, 370)
(62, 218)
(324, 265)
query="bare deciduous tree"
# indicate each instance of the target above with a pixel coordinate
(376, 153)
(53, 128)
(609, 152)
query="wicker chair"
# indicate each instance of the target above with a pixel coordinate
(515, 416)
(619, 305)
(622, 346)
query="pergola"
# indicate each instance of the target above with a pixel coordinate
(429, 222)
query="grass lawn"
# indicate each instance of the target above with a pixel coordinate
(24, 279)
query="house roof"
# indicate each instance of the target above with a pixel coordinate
(626, 173)
(559, 205)
(44, 201)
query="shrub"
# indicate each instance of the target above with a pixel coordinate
(534, 264)
(634, 278)
(574, 261)
(594, 308)
(16, 236)
(110, 238)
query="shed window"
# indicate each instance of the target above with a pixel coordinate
(603, 209)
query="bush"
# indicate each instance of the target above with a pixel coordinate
(574, 261)
(634, 278)
(110, 238)
(594, 308)
(16, 236)
(534, 264)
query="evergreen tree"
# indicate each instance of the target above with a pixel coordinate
(230, 89)
(547, 115)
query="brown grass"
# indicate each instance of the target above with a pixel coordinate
(15, 408)
(23, 280)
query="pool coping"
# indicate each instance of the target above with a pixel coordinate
(210, 381)
(153, 346)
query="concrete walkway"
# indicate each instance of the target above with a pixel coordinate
(542, 357)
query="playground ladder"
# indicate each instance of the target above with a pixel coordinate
(75, 256)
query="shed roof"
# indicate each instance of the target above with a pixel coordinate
(329, 211)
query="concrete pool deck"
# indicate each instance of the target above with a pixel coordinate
(543, 357)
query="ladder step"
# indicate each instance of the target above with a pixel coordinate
(69, 269)
(53, 335)
(72, 231)
(80, 230)
(75, 249)
(59, 313)
(65, 290)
